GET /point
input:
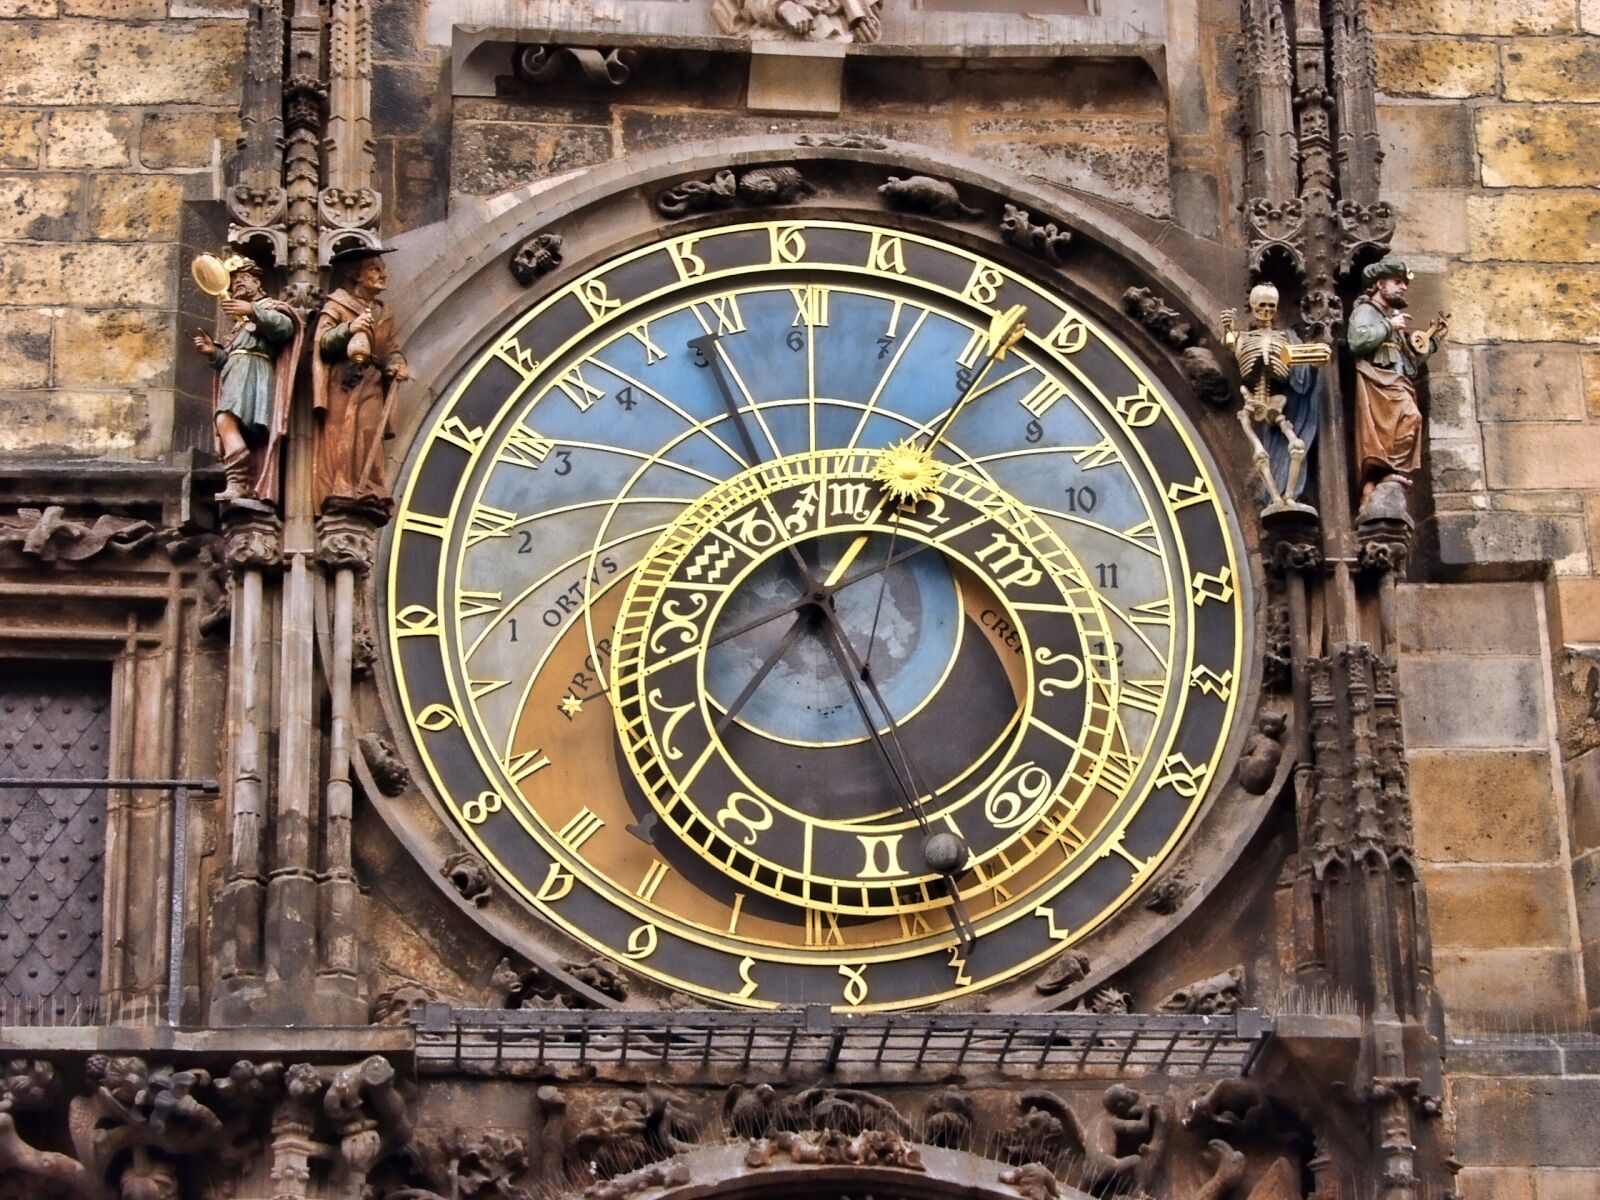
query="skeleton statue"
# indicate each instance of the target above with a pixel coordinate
(1279, 393)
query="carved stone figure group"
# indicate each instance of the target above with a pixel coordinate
(356, 363)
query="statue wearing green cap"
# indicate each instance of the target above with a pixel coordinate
(1389, 355)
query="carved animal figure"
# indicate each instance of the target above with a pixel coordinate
(773, 185)
(1115, 1146)
(750, 1112)
(1033, 1181)
(1263, 750)
(1069, 967)
(924, 194)
(1047, 240)
(947, 1121)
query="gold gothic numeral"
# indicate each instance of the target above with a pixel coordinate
(855, 983)
(436, 717)
(1181, 495)
(822, 928)
(689, 264)
(1059, 933)
(1138, 409)
(983, 285)
(726, 310)
(1143, 694)
(788, 243)
(652, 352)
(1213, 587)
(489, 522)
(1182, 776)
(477, 604)
(415, 620)
(1101, 454)
(1070, 336)
(651, 882)
(477, 810)
(1043, 397)
(455, 432)
(749, 988)
(516, 356)
(641, 943)
(887, 253)
(525, 448)
(580, 829)
(557, 883)
(578, 389)
(1208, 681)
(415, 522)
(1118, 771)
(960, 965)
(811, 305)
(595, 298)
(1151, 612)
(520, 766)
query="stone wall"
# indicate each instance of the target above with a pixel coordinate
(110, 113)
(1489, 109)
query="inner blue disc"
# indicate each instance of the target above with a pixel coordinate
(914, 629)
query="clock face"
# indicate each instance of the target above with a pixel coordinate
(780, 619)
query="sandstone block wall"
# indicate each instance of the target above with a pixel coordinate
(1489, 110)
(110, 111)
(1491, 827)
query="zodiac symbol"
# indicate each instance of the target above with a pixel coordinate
(683, 624)
(713, 555)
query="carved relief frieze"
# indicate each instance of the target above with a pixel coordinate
(760, 187)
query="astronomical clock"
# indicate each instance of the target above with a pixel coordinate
(815, 612)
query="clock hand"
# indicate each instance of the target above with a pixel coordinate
(844, 655)
(1005, 331)
(867, 573)
(706, 346)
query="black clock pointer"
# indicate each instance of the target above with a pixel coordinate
(761, 673)
(849, 667)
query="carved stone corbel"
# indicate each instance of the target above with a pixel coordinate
(545, 62)
(538, 255)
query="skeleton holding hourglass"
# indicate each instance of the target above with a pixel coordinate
(1279, 391)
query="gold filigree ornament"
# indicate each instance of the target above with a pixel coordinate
(908, 472)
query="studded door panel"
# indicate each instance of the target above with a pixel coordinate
(55, 723)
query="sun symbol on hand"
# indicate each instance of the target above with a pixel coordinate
(908, 472)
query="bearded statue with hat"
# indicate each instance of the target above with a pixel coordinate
(1389, 355)
(355, 367)
(254, 361)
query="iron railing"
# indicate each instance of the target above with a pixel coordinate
(496, 1040)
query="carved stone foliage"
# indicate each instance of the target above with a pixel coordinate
(1159, 317)
(760, 187)
(928, 196)
(1044, 240)
(624, 1132)
(48, 535)
(538, 255)
(251, 540)
(535, 988)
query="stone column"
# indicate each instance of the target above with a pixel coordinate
(347, 541)
(349, 205)
(252, 551)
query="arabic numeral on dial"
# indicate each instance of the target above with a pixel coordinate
(526, 545)
(796, 341)
(963, 378)
(1081, 499)
(700, 359)
(1107, 573)
(1016, 795)
(625, 398)
(1034, 431)
(885, 344)
(512, 621)
(565, 459)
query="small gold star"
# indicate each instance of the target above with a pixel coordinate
(908, 472)
(571, 705)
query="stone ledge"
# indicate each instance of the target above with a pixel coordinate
(303, 1043)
